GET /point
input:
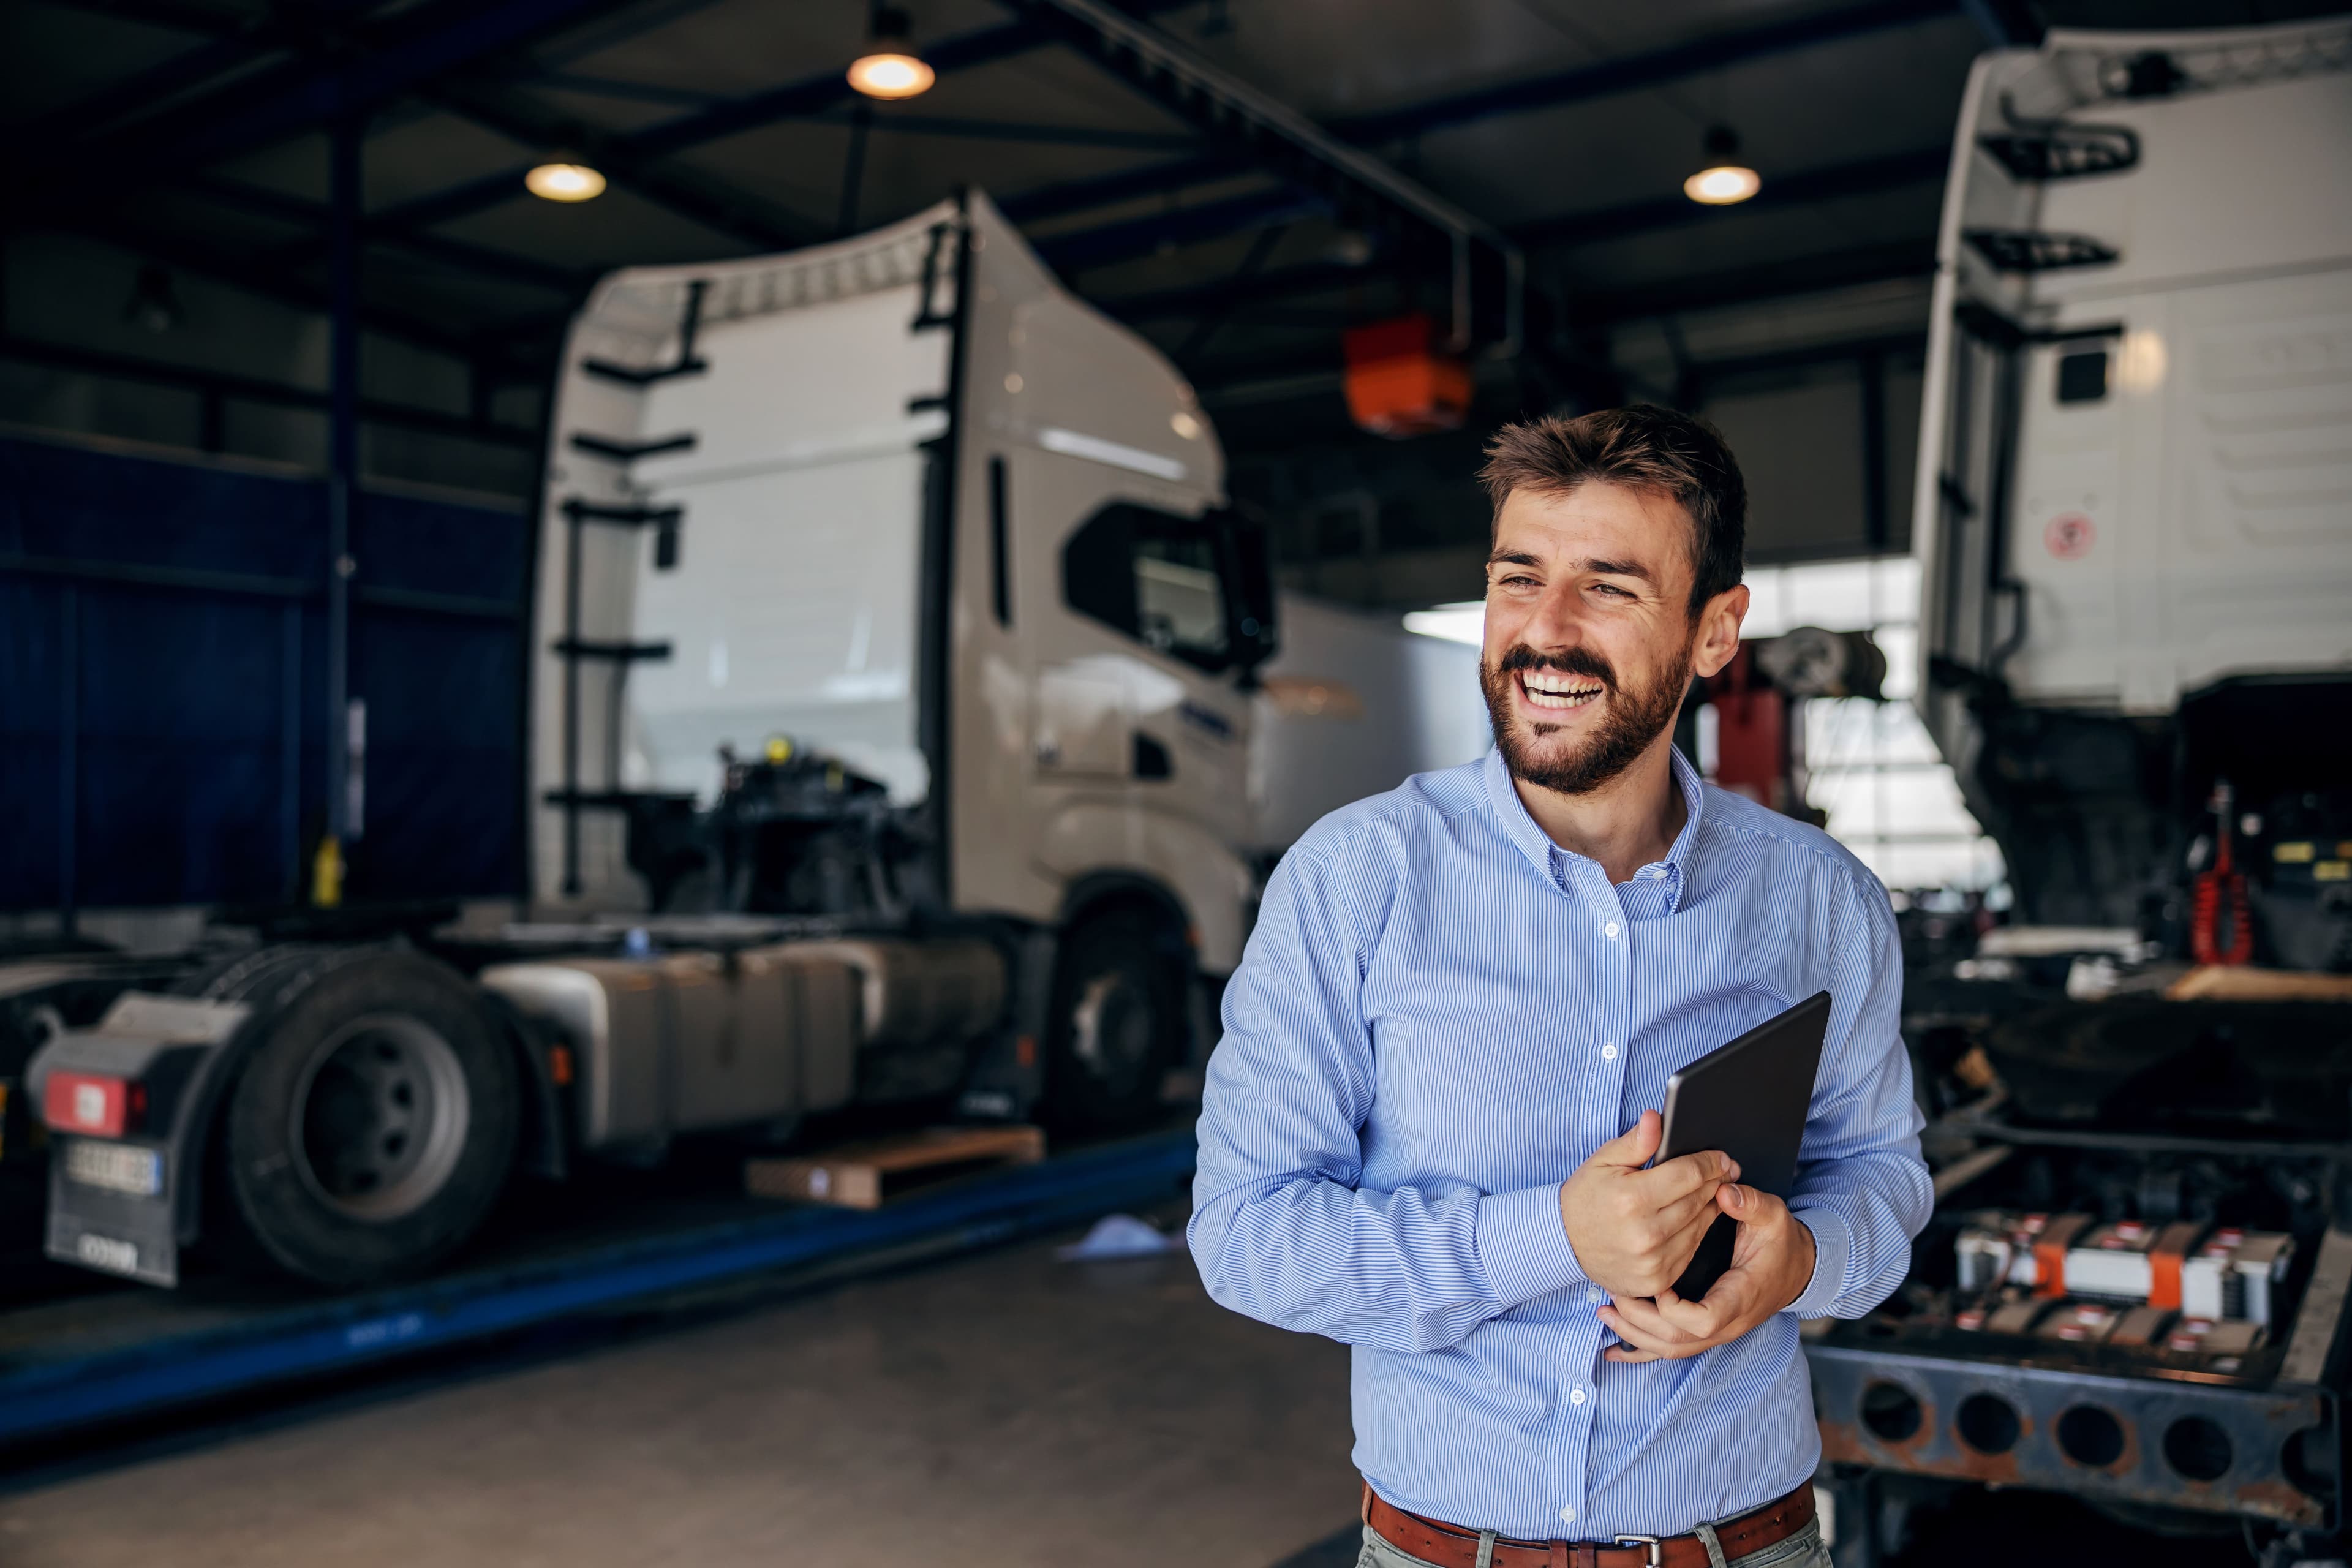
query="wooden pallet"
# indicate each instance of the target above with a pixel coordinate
(867, 1175)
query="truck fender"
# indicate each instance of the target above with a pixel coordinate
(545, 1149)
(191, 1044)
(257, 983)
(1183, 868)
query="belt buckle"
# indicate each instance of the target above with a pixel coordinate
(1651, 1541)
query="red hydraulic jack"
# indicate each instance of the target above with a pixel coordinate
(1754, 754)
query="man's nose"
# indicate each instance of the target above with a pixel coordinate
(1556, 620)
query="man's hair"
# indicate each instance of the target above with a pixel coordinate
(1643, 448)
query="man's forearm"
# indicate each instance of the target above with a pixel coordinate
(1863, 1212)
(1406, 1270)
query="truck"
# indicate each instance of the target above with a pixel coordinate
(2134, 526)
(900, 726)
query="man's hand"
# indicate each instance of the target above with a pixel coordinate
(1634, 1230)
(1772, 1263)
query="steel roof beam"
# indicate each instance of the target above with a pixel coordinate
(1774, 280)
(901, 124)
(459, 254)
(1104, 189)
(1315, 278)
(166, 79)
(253, 389)
(243, 273)
(417, 46)
(1626, 74)
(690, 194)
(630, 154)
(1654, 67)
(1864, 176)
(2006, 23)
(173, 16)
(1125, 241)
(1257, 129)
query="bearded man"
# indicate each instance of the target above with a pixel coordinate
(1429, 1125)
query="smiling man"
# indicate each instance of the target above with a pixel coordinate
(1429, 1125)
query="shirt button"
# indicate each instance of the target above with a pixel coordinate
(1576, 1396)
(1568, 1516)
(1609, 1053)
(1595, 1295)
(1610, 931)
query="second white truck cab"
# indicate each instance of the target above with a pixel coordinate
(2133, 511)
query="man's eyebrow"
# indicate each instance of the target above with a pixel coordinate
(1618, 569)
(1512, 558)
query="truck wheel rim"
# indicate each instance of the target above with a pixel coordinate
(1111, 1029)
(379, 1117)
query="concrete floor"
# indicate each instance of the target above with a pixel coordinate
(1003, 1408)
(998, 1409)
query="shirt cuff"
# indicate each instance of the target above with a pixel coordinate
(1832, 1242)
(1524, 1245)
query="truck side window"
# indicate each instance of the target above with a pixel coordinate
(2082, 377)
(1153, 577)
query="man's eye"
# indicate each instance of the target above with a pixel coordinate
(1611, 589)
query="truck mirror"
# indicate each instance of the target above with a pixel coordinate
(1249, 593)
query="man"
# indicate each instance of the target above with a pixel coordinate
(1427, 1124)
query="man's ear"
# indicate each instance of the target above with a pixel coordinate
(1718, 630)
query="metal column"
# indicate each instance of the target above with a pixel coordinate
(1877, 525)
(68, 760)
(342, 486)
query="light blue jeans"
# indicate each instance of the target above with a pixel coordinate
(1802, 1549)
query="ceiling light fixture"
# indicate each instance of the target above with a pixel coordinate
(559, 181)
(1725, 180)
(890, 68)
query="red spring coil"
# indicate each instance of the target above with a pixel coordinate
(2205, 915)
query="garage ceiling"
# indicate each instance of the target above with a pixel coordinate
(196, 132)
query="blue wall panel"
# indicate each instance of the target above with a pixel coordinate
(163, 679)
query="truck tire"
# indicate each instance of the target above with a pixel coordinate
(374, 1121)
(1118, 1022)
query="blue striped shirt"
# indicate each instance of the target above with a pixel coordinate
(1440, 1014)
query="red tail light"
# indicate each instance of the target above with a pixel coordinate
(90, 1104)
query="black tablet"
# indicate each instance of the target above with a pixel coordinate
(1748, 1099)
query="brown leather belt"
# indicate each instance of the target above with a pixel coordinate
(1451, 1546)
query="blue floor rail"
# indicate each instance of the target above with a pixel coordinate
(45, 1394)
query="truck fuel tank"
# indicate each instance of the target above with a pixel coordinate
(917, 993)
(683, 1042)
(688, 1041)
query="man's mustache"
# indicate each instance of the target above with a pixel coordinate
(1566, 661)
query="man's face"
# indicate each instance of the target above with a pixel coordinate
(1589, 640)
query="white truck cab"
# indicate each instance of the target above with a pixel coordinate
(2134, 506)
(902, 510)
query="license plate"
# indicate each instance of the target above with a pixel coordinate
(117, 1167)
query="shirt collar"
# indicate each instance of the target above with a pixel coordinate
(1533, 842)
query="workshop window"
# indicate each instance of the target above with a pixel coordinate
(1153, 577)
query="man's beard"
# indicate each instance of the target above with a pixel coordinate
(1632, 719)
